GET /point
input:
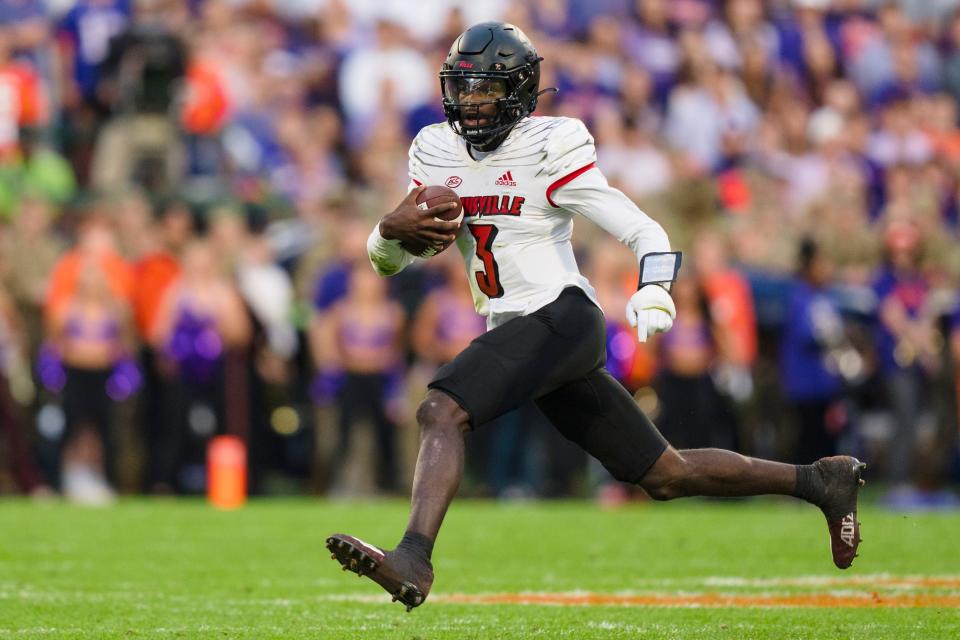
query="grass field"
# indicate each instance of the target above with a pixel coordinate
(178, 569)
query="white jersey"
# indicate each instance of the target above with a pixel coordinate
(519, 202)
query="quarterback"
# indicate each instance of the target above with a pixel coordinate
(522, 179)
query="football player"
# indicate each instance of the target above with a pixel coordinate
(522, 179)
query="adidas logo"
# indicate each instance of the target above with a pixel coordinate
(506, 180)
(847, 529)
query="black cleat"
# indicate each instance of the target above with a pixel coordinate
(403, 575)
(841, 483)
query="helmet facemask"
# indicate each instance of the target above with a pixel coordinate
(483, 106)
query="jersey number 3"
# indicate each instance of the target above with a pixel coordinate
(488, 279)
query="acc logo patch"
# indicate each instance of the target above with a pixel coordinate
(454, 181)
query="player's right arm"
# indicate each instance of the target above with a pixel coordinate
(414, 228)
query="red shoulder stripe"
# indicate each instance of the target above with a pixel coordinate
(565, 179)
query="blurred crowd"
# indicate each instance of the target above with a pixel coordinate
(186, 187)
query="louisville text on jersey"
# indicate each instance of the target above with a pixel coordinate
(492, 205)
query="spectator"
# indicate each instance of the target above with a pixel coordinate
(952, 61)
(156, 269)
(330, 284)
(139, 79)
(650, 42)
(29, 28)
(26, 102)
(898, 140)
(813, 333)
(906, 343)
(91, 334)
(709, 116)
(86, 32)
(37, 170)
(446, 321)
(13, 427)
(268, 292)
(692, 411)
(820, 65)
(312, 170)
(96, 243)
(892, 60)
(629, 158)
(728, 294)
(740, 21)
(31, 250)
(201, 320)
(380, 67)
(362, 337)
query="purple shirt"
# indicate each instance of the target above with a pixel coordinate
(910, 290)
(90, 26)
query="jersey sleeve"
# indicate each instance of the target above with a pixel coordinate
(423, 152)
(587, 193)
(571, 152)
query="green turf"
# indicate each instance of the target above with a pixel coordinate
(178, 569)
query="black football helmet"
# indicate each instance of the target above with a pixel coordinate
(491, 63)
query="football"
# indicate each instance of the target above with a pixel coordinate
(436, 194)
(432, 196)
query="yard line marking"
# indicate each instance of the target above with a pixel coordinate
(879, 590)
(879, 580)
(711, 600)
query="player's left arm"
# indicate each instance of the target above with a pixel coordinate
(581, 188)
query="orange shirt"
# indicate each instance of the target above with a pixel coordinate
(731, 305)
(206, 105)
(66, 272)
(154, 274)
(22, 103)
(946, 145)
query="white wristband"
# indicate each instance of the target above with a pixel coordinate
(386, 256)
(379, 241)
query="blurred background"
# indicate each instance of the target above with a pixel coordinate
(186, 188)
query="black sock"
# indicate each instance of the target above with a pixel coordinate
(809, 483)
(417, 543)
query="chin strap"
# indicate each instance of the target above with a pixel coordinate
(495, 141)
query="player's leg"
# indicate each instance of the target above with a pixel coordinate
(439, 464)
(598, 414)
(829, 483)
(499, 371)
(716, 472)
(406, 572)
(601, 416)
